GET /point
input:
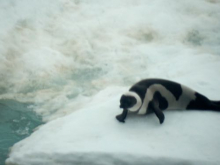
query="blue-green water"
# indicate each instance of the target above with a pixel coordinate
(17, 121)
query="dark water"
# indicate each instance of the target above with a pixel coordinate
(17, 121)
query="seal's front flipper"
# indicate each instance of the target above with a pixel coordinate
(158, 111)
(122, 116)
(160, 115)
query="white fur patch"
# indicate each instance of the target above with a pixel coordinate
(187, 96)
(150, 93)
(138, 99)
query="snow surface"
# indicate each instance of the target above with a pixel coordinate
(92, 135)
(62, 54)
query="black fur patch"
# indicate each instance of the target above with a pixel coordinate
(163, 104)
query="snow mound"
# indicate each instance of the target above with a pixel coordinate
(92, 135)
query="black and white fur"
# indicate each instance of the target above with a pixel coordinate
(156, 95)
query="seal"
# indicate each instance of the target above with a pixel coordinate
(155, 95)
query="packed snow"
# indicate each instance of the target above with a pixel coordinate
(92, 135)
(74, 58)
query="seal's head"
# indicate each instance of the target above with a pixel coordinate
(130, 101)
(127, 101)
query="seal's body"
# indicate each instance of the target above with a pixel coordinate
(156, 95)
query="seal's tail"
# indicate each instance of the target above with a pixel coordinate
(216, 102)
(203, 103)
(215, 105)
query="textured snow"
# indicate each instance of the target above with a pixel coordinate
(74, 58)
(92, 135)
(60, 50)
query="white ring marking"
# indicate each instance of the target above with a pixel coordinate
(138, 99)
